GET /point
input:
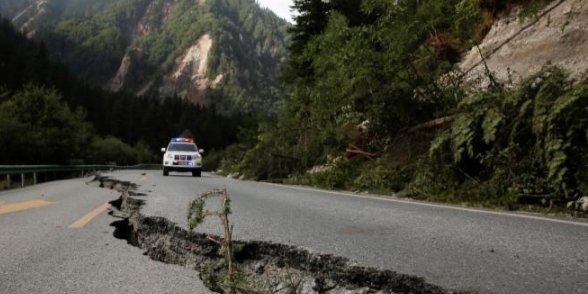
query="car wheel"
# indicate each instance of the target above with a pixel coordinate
(165, 172)
(197, 173)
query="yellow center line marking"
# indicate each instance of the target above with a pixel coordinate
(84, 220)
(19, 206)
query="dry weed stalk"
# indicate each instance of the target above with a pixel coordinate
(197, 214)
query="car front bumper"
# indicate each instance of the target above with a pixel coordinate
(182, 165)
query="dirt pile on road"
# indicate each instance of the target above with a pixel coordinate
(262, 267)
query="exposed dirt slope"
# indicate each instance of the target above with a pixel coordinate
(188, 78)
(516, 48)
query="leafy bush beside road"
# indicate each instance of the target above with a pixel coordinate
(531, 140)
(38, 127)
(503, 143)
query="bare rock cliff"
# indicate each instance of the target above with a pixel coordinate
(516, 48)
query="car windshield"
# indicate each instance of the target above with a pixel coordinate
(182, 147)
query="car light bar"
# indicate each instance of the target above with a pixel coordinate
(183, 140)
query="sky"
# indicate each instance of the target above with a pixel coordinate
(280, 7)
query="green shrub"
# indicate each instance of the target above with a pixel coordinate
(375, 177)
(339, 175)
(531, 139)
(111, 150)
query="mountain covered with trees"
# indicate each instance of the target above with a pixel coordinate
(222, 52)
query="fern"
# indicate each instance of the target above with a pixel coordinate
(537, 134)
(490, 125)
(462, 136)
(439, 144)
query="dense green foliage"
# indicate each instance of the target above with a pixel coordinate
(47, 116)
(35, 123)
(354, 62)
(365, 73)
(531, 140)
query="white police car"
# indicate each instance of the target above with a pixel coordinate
(182, 155)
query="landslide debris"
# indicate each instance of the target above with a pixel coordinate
(262, 267)
(516, 48)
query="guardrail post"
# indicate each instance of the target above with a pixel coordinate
(22, 178)
(8, 181)
(34, 178)
(82, 172)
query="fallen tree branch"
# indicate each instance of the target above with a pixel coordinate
(353, 150)
(432, 123)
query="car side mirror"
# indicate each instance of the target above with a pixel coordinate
(163, 150)
(201, 151)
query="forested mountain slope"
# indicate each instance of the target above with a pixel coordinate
(47, 116)
(225, 52)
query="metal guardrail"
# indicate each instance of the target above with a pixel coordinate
(34, 169)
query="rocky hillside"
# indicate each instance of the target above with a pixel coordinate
(517, 47)
(222, 52)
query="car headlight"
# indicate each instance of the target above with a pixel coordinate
(169, 156)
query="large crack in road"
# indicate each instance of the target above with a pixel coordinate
(263, 267)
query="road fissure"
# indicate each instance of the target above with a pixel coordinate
(267, 265)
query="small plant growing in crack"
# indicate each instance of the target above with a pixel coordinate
(196, 215)
(291, 284)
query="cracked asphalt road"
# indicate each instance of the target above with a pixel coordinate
(41, 253)
(454, 247)
(459, 248)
